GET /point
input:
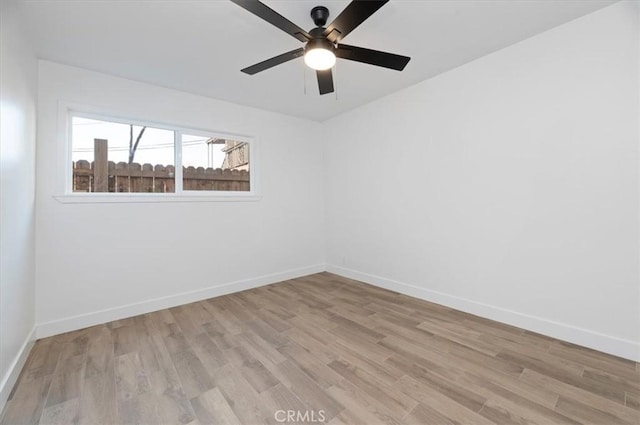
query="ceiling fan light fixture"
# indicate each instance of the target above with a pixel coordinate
(324, 42)
(318, 54)
(319, 59)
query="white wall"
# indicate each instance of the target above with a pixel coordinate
(96, 262)
(18, 84)
(507, 187)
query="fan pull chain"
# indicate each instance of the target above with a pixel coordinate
(304, 72)
(335, 80)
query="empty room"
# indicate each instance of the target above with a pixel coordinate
(320, 212)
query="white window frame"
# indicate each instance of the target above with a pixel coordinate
(66, 113)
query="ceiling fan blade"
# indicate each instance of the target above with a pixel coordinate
(274, 18)
(270, 63)
(372, 57)
(325, 81)
(353, 15)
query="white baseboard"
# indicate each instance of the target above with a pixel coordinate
(609, 344)
(625, 348)
(73, 323)
(10, 378)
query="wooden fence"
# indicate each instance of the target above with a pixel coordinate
(107, 176)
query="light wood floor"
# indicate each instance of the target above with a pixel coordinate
(324, 346)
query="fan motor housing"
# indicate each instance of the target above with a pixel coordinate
(319, 43)
(317, 33)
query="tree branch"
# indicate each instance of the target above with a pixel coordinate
(132, 149)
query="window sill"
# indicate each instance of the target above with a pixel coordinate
(130, 198)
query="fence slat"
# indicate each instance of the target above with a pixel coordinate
(100, 165)
(171, 179)
(146, 181)
(82, 176)
(122, 177)
(112, 177)
(135, 177)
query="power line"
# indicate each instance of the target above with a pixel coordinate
(152, 147)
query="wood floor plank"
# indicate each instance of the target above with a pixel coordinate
(98, 397)
(593, 359)
(259, 348)
(47, 353)
(321, 343)
(28, 401)
(318, 331)
(212, 408)
(349, 330)
(502, 400)
(632, 401)
(233, 308)
(579, 394)
(267, 333)
(319, 350)
(503, 411)
(509, 338)
(131, 378)
(305, 388)
(146, 347)
(359, 407)
(446, 406)
(312, 365)
(100, 352)
(257, 375)
(125, 339)
(457, 390)
(397, 404)
(219, 335)
(134, 399)
(228, 323)
(611, 392)
(211, 356)
(341, 305)
(65, 386)
(629, 384)
(583, 413)
(65, 413)
(404, 355)
(422, 415)
(240, 396)
(194, 376)
(536, 351)
(161, 323)
(187, 320)
(412, 336)
(40, 351)
(172, 404)
(272, 320)
(489, 386)
(280, 398)
(381, 370)
(98, 400)
(456, 333)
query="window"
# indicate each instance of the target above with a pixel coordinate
(109, 156)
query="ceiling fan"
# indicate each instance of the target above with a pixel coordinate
(323, 44)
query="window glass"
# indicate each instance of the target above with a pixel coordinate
(116, 157)
(215, 164)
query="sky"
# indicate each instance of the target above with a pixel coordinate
(156, 145)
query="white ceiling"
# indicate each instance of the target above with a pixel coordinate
(200, 46)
